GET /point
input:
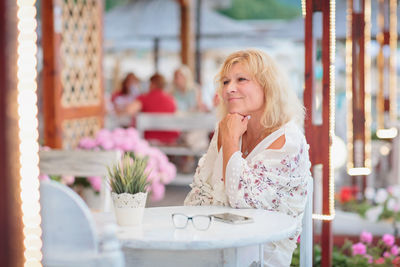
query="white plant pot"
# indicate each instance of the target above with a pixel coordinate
(129, 208)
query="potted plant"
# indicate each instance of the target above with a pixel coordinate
(128, 182)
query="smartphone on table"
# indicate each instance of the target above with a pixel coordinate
(232, 218)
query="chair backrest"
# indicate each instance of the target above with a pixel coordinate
(175, 121)
(80, 163)
(67, 224)
(69, 231)
(306, 239)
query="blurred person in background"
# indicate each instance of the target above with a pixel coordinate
(156, 100)
(130, 89)
(186, 91)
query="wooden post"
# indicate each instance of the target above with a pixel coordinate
(187, 55)
(386, 100)
(11, 241)
(198, 38)
(320, 136)
(72, 80)
(52, 88)
(358, 91)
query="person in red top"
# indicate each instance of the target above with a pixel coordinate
(156, 100)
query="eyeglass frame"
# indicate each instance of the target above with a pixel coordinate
(191, 219)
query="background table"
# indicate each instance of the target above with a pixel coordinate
(157, 243)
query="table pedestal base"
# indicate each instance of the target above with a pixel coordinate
(242, 256)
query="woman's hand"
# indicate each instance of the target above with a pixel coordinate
(232, 127)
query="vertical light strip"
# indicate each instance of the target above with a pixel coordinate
(303, 8)
(332, 51)
(367, 84)
(380, 109)
(392, 59)
(349, 84)
(28, 131)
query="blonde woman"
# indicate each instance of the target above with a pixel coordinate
(186, 92)
(258, 157)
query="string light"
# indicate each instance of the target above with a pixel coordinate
(28, 131)
(392, 59)
(367, 85)
(303, 8)
(349, 85)
(354, 169)
(331, 177)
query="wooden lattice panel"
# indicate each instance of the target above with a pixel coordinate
(74, 130)
(80, 53)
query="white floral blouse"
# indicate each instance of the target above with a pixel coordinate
(271, 179)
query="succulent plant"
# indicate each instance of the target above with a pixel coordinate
(129, 175)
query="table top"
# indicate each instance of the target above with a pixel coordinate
(158, 232)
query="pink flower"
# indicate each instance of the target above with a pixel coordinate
(369, 258)
(87, 143)
(104, 139)
(44, 177)
(366, 237)
(394, 250)
(359, 249)
(67, 179)
(380, 260)
(388, 240)
(386, 254)
(95, 182)
(298, 239)
(157, 191)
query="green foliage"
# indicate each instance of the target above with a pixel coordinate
(109, 4)
(128, 175)
(360, 207)
(262, 9)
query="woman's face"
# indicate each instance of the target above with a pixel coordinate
(241, 92)
(179, 80)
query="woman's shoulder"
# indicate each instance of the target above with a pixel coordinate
(294, 138)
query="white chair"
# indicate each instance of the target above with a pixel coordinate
(69, 231)
(80, 163)
(306, 238)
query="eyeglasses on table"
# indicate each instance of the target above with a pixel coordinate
(200, 222)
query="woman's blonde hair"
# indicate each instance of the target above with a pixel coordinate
(281, 103)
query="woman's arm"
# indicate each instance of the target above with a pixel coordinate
(130, 109)
(201, 193)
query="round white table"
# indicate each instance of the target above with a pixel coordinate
(157, 243)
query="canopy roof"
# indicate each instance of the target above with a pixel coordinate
(138, 23)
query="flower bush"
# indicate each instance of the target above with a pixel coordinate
(161, 171)
(379, 204)
(363, 253)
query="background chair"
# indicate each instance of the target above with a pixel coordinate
(80, 163)
(69, 232)
(306, 238)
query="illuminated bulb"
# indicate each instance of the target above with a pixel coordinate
(384, 150)
(387, 133)
(359, 171)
